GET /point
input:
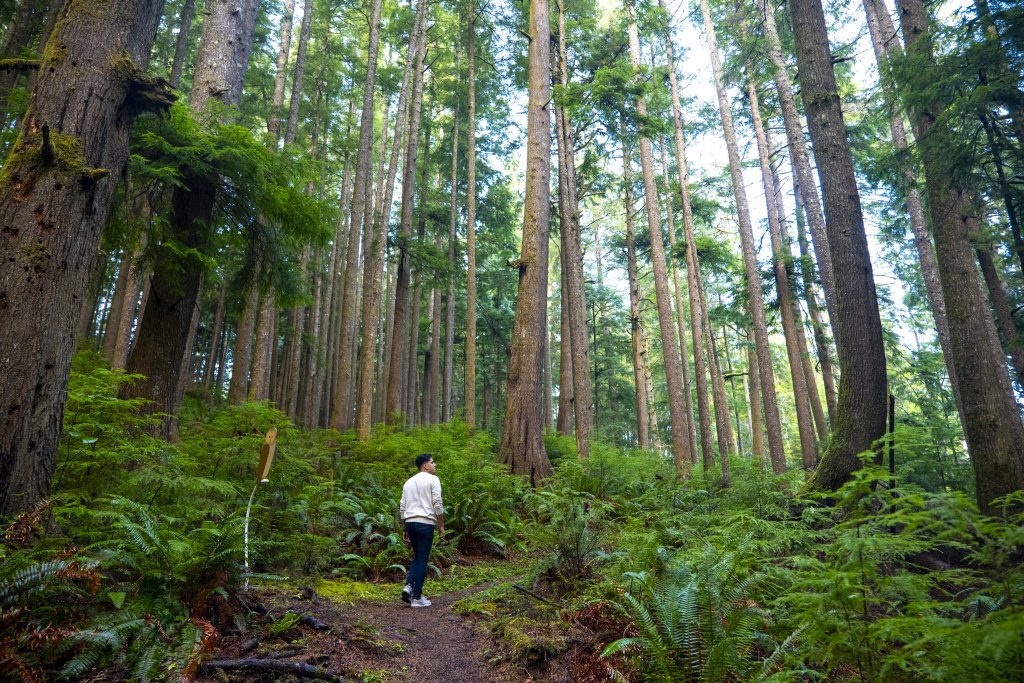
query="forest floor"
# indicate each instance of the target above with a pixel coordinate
(356, 631)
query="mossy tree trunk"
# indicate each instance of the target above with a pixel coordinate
(55, 194)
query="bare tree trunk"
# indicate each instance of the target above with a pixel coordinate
(773, 425)
(636, 330)
(375, 256)
(677, 291)
(669, 342)
(241, 358)
(814, 310)
(215, 337)
(997, 295)
(756, 423)
(692, 266)
(431, 376)
(995, 435)
(281, 75)
(884, 39)
(798, 153)
(656, 443)
(572, 261)
(470, 398)
(400, 337)
(266, 336)
(780, 257)
(723, 423)
(861, 410)
(522, 443)
(117, 304)
(564, 424)
(341, 410)
(181, 43)
(449, 320)
(300, 69)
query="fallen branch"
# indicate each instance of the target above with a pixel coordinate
(272, 665)
(313, 622)
(537, 597)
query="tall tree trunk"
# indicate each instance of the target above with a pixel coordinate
(773, 426)
(636, 330)
(652, 413)
(281, 75)
(522, 442)
(995, 435)
(117, 301)
(453, 244)
(754, 385)
(300, 69)
(241, 358)
(692, 266)
(215, 337)
(861, 410)
(163, 342)
(375, 260)
(470, 372)
(669, 342)
(818, 327)
(400, 336)
(412, 367)
(723, 424)
(341, 410)
(181, 42)
(798, 154)
(53, 207)
(564, 423)
(572, 260)
(432, 375)
(677, 291)
(780, 259)
(884, 39)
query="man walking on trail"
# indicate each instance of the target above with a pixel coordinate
(421, 511)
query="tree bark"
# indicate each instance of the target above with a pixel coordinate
(55, 193)
(798, 153)
(181, 43)
(861, 410)
(636, 331)
(564, 423)
(522, 442)
(215, 337)
(300, 69)
(692, 265)
(754, 386)
(773, 426)
(400, 336)
(470, 372)
(242, 355)
(780, 259)
(281, 75)
(669, 344)
(453, 243)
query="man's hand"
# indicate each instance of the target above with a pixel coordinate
(405, 537)
(440, 531)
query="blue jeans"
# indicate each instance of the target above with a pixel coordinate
(421, 538)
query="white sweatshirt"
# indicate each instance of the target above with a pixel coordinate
(421, 499)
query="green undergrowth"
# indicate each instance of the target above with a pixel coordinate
(136, 562)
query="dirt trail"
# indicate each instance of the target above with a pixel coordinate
(372, 641)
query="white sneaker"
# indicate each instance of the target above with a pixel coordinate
(420, 602)
(407, 594)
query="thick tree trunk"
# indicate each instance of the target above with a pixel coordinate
(522, 443)
(636, 330)
(780, 259)
(55, 193)
(861, 410)
(400, 337)
(669, 342)
(163, 344)
(692, 266)
(995, 435)
(470, 372)
(773, 425)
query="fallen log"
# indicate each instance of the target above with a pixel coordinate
(271, 666)
(313, 622)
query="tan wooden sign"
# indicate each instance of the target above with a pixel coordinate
(267, 455)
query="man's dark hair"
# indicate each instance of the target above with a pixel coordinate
(422, 459)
